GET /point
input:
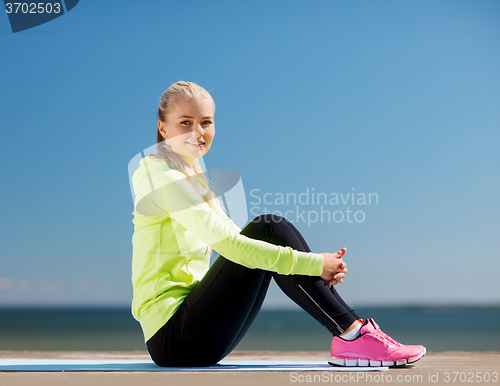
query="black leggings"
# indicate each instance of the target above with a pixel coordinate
(218, 312)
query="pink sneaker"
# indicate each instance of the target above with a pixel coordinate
(370, 348)
(419, 348)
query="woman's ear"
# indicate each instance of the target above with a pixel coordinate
(161, 129)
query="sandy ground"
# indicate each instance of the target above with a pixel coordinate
(436, 368)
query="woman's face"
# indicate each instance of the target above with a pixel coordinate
(189, 127)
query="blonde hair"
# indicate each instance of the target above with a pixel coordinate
(175, 161)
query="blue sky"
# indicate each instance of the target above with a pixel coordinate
(399, 99)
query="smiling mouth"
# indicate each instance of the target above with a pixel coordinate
(197, 144)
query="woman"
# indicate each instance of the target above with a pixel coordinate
(194, 315)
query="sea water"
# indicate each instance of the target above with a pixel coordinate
(439, 329)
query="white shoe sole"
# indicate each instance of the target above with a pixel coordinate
(361, 362)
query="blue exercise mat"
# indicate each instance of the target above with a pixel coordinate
(22, 365)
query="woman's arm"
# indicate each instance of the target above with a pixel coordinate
(228, 220)
(171, 194)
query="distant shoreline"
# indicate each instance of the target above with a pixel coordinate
(430, 306)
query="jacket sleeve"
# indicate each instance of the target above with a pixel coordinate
(174, 196)
(228, 220)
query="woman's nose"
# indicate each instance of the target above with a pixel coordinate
(198, 128)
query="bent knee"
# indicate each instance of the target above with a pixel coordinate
(269, 218)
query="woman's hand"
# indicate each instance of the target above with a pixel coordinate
(334, 268)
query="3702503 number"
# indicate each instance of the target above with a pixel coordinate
(477, 376)
(33, 7)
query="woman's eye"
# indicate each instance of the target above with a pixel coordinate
(187, 123)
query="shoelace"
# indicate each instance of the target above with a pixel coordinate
(388, 338)
(385, 337)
